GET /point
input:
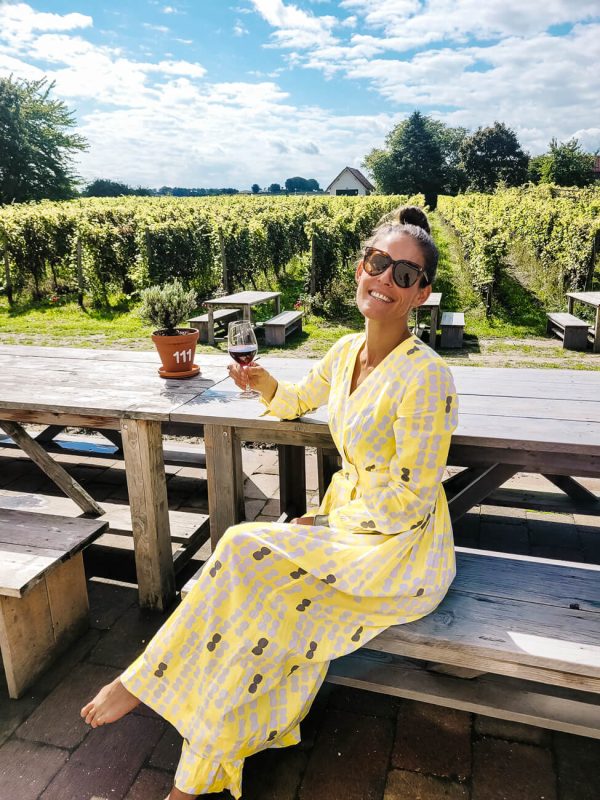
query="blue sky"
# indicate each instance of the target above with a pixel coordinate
(218, 93)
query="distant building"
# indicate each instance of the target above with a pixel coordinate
(350, 182)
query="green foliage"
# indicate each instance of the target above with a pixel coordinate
(566, 164)
(102, 187)
(255, 188)
(129, 243)
(299, 184)
(552, 233)
(492, 156)
(421, 155)
(412, 161)
(167, 306)
(35, 146)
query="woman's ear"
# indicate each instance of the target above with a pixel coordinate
(359, 271)
(422, 295)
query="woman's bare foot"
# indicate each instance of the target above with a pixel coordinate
(111, 703)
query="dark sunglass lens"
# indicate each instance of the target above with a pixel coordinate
(404, 275)
(377, 263)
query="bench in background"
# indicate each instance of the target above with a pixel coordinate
(453, 327)
(43, 593)
(516, 637)
(222, 317)
(572, 331)
(278, 328)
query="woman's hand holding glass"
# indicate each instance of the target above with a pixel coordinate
(257, 377)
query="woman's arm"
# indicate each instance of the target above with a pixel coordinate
(423, 427)
(290, 400)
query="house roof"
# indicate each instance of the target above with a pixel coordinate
(357, 174)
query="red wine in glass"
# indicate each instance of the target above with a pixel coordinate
(243, 353)
(242, 347)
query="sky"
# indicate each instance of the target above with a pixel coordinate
(211, 93)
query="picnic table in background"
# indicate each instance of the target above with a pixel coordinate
(432, 304)
(244, 301)
(589, 299)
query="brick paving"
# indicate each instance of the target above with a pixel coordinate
(356, 745)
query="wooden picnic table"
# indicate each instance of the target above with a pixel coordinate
(110, 391)
(432, 304)
(511, 420)
(244, 301)
(542, 421)
(590, 299)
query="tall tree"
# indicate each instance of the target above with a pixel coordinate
(36, 147)
(493, 155)
(298, 184)
(566, 164)
(255, 188)
(412, 160)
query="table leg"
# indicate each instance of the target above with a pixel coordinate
(292, 480)
(247, 313)
(570, 304)
(434, 326)
(225, 479)
(575, 490)
(147, 487)
(328, 463)
(596, 343)
(211, 326)
(277, 305)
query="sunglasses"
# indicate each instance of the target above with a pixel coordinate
(405, 273)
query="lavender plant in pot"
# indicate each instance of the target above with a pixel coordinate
(165, 307)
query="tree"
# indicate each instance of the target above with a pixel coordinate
(299, 184)
(275, 188)
(493, 155)
(102, 187)
(412, 161)
(566, 164)
(36, 148)
(255, 188)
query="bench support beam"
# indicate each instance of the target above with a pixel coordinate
(574, 489)
(52, 469)
(483, 482)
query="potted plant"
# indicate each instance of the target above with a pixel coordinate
(165, 307)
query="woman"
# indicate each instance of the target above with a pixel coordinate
(238, 664)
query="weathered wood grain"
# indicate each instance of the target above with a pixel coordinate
(146, 483)
(491, 695)
(224, 478)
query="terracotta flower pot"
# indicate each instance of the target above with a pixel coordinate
(177, 353)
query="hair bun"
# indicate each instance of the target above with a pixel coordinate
(413, 215)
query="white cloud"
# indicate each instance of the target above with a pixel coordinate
(165, 121)
(159, 28)
(239, 29)
(293, 26)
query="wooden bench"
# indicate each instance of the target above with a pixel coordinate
(515, 638)
(43, 593)
(222, 317)
(453, 327)
(278, 328)
(572, 331)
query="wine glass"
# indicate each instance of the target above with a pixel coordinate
(242, 347)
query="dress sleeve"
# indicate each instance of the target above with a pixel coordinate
(292, 400)
(425, 419)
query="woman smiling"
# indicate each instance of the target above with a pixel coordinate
(237, 666)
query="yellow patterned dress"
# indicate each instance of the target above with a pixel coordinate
(238, 664)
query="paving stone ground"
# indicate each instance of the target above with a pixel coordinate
(356, 745)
